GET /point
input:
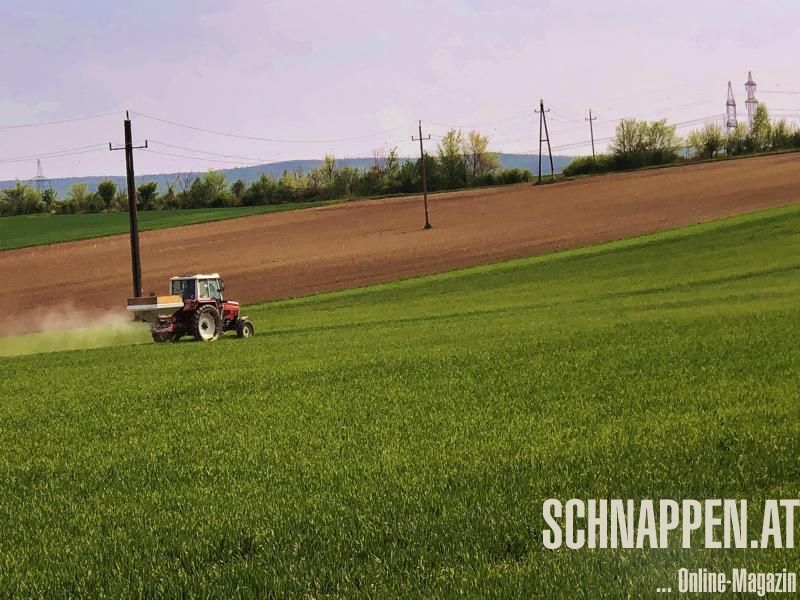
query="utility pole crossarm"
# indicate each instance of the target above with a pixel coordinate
(143, 146)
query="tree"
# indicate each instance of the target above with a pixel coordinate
(261, 191)
(328, 170)
(479, 160)
(639, 143)
(372, 180)
(21, 199)
(736, 140)
(695, 141)
(316, 182)
(80, 200)
(782, 134)
(147, 195)
(121, 201)
(629, 138)
(451, 160)
(346, 180)
(409, 176)
(237, 191)
(107, 190)
(707, 141)
(293, 186)
(170, 200)
(382, 176)
(184, 182)
(761, 130)
(660, 141)
(391, 164)
(209, 192)
(378, 161)
(49, 197)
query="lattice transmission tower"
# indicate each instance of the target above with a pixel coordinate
(40, 182)
(730, 109)
(751, 103)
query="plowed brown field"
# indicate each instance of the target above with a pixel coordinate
(307, 251)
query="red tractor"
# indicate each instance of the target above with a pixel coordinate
(194, 307)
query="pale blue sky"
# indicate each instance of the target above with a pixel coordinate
(321, 70)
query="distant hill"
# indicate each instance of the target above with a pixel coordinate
(249, 174)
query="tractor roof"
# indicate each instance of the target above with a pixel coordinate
(198, 276)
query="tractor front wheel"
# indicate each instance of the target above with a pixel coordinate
(245, 329)
(207, 324)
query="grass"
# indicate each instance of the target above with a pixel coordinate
(398, 440)
(35, 230)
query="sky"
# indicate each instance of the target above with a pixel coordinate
(352, 77)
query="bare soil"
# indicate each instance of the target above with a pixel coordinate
(314, 250)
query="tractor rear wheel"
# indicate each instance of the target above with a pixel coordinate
(207, 324)
(244, 328)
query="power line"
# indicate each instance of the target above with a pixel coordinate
(246, 158)
(699, 121)
(59, 122)
(209, 158)
(264, 139)
(55, 154)
(562, 115)
(241, 159)
(582, 143)
(661, 111)
(518, 116)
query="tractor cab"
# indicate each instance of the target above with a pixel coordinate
(198, 287)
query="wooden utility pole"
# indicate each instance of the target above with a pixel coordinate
(424, 175)
(133, 217)
(543, 123)
(591, 128)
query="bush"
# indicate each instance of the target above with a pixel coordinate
(589, 165)
(259, 192)
(708, 141)
(513, 176)
(21, 199)
(107, 190)
(737, 140)
(147, 196)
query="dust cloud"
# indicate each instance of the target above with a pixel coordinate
(69, 328)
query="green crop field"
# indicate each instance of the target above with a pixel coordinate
(35, 230)
(399, 440)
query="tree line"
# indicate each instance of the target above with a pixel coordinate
(460, 161)
(639, 144)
